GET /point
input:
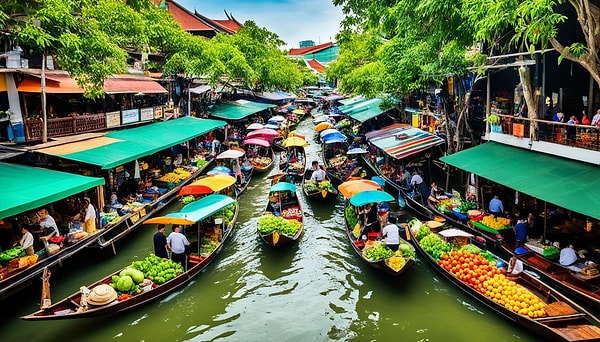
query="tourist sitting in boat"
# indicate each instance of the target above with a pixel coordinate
(391, 234)
(514, 269)
(318, 174)
(568, 256)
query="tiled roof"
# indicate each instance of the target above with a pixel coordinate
(310, 49)
(187, 20)
(315, 65)
(230, 25)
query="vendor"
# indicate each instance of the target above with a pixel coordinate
(515, 267)
(568, 256)
(26, 240)
(47, 224)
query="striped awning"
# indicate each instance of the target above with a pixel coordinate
(400, 141)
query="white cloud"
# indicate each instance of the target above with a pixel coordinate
(292, 20)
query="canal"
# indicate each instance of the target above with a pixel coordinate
(315, 290)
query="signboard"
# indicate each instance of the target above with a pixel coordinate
(518, 130)
(113, 119)
(146, 114)
(130, 116)
(158, 112)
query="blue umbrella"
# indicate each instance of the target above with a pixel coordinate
(283, 186)
(370, 196)
(219, 169)
(291, 108)
(333, 138)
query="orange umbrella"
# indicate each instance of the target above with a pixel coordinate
(353, 187)
(322, 126)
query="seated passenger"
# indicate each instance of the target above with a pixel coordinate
(568, 256)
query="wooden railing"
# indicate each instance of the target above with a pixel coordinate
(582, 136)
(65, 126)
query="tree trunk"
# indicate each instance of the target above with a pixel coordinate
(530, 100)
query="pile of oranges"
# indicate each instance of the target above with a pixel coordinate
(489, 280)
(495, 222)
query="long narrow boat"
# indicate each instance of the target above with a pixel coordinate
(282, 222)
(116, 230)
(197, 214)
(526, 301)
(371, 251)
(318, 190)
(228, 161)
(577, 281)
(294, 160)
(260, 153)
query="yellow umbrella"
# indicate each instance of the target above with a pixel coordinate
(353, 187)
(294, 141)
(322, 126)
(216, 182)
(298, 111)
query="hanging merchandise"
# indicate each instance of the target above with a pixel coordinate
(136, 170)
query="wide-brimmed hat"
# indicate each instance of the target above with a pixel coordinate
(102, 295)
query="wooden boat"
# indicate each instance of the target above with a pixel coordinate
(230, 160)
(578, 281)
(294, 160)
(401, 145)
(115, 230)
(533, 305)
(195, 214)
(322, 190)
(282, 222)
(394, 263)
(260, 153)
(341, 162)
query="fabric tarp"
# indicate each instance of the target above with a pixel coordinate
(64, 84)
(26, 188)
(363, 110)
(563, 182)
(196, 211)
(3, 86)
(119, 147)
(237, 110)
(400, 141)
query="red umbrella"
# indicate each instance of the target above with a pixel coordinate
(195, 190)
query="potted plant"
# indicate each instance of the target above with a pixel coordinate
(494, 120)
(5, 114)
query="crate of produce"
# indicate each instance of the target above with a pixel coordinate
(488, 229)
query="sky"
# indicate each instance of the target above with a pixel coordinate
(292, 20)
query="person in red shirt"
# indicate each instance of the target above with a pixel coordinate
(584, 118)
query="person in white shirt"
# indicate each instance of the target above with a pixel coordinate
(515, 267)
(89, 222)
(27, 240)
(391, 234)
(318, 174)
(596, 118)
(567, 256)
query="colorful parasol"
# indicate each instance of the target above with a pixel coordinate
(322, 126)
(370, 196)
(294, 141)
(254, 126)
(353, 187)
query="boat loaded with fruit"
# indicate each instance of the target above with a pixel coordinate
(281, 223)
(524, 300)
(145, 280)
(579, 280)
(370, 247)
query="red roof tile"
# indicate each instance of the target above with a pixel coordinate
(230, 25)
(310, 49)
(314, 64)
(186, 19)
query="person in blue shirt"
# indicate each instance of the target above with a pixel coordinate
(521, 231)
(496, 207)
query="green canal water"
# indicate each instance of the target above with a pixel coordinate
(316, 290)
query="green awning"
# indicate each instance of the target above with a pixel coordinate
(25, 188)
(119, 147)
(352, 100)
(566, 183)
(363, 110)
(237, 110)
